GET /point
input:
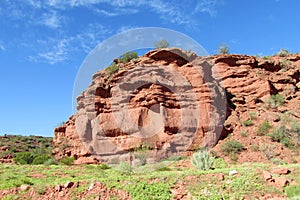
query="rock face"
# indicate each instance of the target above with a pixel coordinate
(170, 101)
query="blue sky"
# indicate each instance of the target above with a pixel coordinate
(44, 42)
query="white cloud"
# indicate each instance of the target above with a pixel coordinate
(207, 6)
(2, 48)
(54, 50)
(51, 20)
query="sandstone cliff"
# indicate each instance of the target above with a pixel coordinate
(171, 102)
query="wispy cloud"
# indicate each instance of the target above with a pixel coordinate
(53, 50)
(51, 20)
(207, 6)
(2, 48)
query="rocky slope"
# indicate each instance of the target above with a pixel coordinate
(171, 102)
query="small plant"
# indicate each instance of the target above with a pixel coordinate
(202, 160)
(283, 53)
(111, 69)
(264, 128)
(244, 134)
(268, 151)
(67, 160)
(231, 146)
(223, 49)
(285, 64)
(274, 101)
(161, 44)
(266, 57)
(128, 56)
(248, 122)
(252, 115)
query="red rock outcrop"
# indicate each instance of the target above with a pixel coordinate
(172, 101)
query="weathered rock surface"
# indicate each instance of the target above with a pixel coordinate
(172, 101)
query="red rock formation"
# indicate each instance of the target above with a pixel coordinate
(172, 101)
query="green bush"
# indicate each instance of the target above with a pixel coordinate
(248, 122)
(40, 159)
(274, 101)
(283, 53)
(24, 158)
(67, 160)
(161, 44)
(126, 57)
(223, 49)
(111, 69)
(231, 147)
(283, 135)
(264, 128)
(244, 134)
(202, 159)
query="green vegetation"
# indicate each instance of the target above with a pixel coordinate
(124, 58)
(223, 49)
(282, 53)
(161, 44)
(274, 101)
(285, 64)
(153, 184)
(67, 160)
(248, 122)
(231, 147)
(288, 133)
(244, 134)
(202, 159)
(264, 128)
(128, 56)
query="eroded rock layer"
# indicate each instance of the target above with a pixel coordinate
(171, 101)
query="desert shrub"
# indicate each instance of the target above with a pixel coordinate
(111, 69)
(232, 147)
(268, 150)
(126, 57)
(40, 159)
(283, 53)
(67, 160)
(274, 101)
(202, 159)
(248, 122)
(161, 44)
(264, 128)
(252, 115)
(295, 127)
(223, 49)
(284, 136)
(24, 158)
(244, 134)
(285, 64)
